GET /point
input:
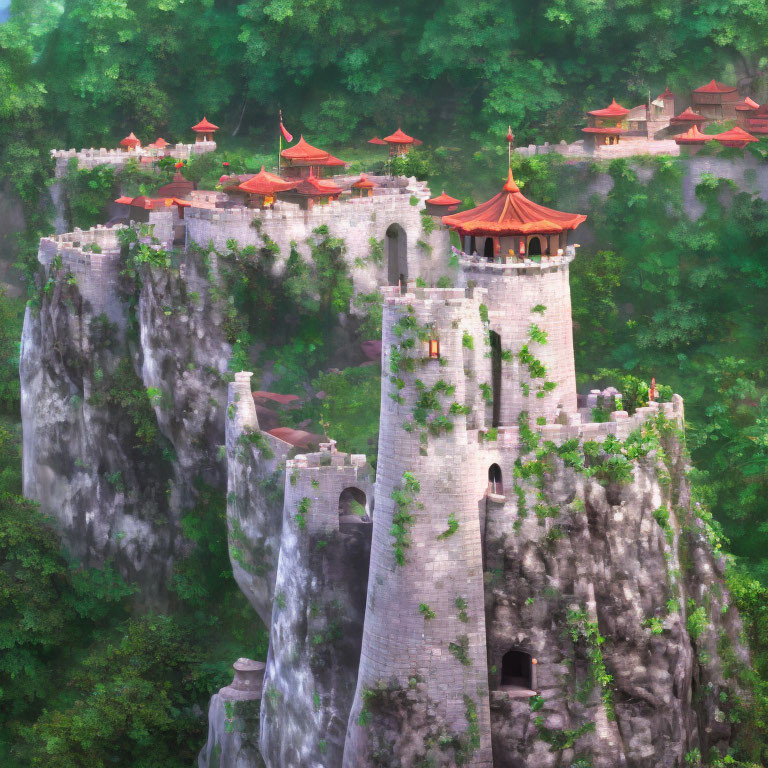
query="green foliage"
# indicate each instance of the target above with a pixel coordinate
(405, 502)
(89, 192)
(426, 612)
(460, 649)
(697, 621)
(586, 634)
(11, 316)
(453, 526)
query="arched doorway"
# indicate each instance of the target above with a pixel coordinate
(517, 670)
(397, 255)
(488, 248)
(495, 485)
(534, 246)
(352, 506)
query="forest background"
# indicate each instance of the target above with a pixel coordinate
(86, 679)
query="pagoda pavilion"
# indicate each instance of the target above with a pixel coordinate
(605, 126)
(716, 101)
(509, 226)
(303, 160)
(312, 191)
(399, 142)
(130, 142)
(204, 130)
(179, 188)
(363, 187)
(736, 137)
(263, 188)
(442, 204)
(688, 118)
(692, 140)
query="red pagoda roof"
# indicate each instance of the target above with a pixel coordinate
(377, 140)
(612, 110)
(747, 105)
(265, 183)
(666, 95)
(511, 213)
(757, 122)
(399, 137)
(715, 87)
(314, 187)
(605, 131)
(153, 203)
(688, 116)
(331, 160)
(364, 183)
(301, 150)
(130, 141)
(735, 137)
(205, 126)
(160, 143)
(443, 199)
(692, 136)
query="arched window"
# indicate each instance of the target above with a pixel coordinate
(488, 248)
(494, 480)
(352, 506)
(534, 247)
(495, 340)
(517, 670)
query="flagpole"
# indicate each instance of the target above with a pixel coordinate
(280, 146)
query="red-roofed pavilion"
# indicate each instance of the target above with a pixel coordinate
(688, 118)
(736, 137)
(303, 160)
(511, 225)
(263, 187)
(363, 187)
(400, 143)
(311, 191)
(130, 142)
(744, 110)
(716, 101)
(605, 126)
(204, 130)
(692, 140)
(442, 204)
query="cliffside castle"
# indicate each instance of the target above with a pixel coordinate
(444, 609)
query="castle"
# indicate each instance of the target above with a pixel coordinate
(442, 610)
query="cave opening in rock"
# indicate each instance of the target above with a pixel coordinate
(517, 670)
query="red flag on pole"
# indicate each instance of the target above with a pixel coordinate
(287, 136)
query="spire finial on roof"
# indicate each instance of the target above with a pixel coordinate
(511, 185)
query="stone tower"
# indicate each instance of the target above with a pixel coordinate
(424, 651)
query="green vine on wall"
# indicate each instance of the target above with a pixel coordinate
(402, 519)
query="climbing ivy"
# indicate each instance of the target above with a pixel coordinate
(402, 519)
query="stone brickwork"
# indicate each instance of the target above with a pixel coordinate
(396, 210)
(432, 660)
(521, 295)
(317, 619)
(90, 158)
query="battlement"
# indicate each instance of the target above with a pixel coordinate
(90, 158)
(328, 491)
(620, 425)
(474, 265)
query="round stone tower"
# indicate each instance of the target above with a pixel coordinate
(422, 690)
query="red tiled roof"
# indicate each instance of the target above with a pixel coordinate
(735, 137)
(265, 183)
(666, 95)
(612, 110)
(688, 116)
(331, 160)
(314, 187)
(296, 437)
(511, 213)
(364, 183)
(714, 87)
(747, 105)
(205, 126)
(692, 136)
(160, 143)
(607, 131)
(275, 397)
(399, 137)
(377, 140)
(153, 203)
(301, 150)
(443, 199)
(130, 141)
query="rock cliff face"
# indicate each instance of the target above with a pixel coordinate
(616, 579)
(122, 404)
